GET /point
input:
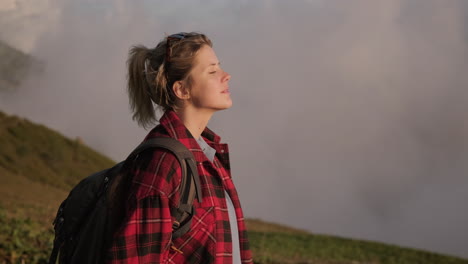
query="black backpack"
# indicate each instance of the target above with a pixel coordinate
(86, 221)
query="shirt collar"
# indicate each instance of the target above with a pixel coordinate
(176, 129)
(171, 125)
(207, 149)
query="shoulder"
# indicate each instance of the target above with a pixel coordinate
(156, 171)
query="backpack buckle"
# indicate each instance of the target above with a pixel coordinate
(175, 225)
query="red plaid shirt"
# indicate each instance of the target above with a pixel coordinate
(146, 236)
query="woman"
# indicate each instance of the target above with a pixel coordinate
(183, 76)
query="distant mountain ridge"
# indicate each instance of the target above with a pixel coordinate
(14, 66)
(38, 167)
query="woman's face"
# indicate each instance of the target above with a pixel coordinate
(210, 88)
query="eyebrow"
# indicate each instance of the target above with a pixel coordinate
(214, 64)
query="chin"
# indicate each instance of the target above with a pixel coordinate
(224, 106)
(228, 105)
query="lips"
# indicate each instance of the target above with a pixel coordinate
(225, 91)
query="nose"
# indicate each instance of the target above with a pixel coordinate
(226, 77)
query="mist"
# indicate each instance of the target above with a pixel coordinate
(349, 117)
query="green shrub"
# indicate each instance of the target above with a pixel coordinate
(23, 240)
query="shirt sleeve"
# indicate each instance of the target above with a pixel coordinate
(145, 236)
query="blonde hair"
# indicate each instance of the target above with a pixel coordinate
(152, 72)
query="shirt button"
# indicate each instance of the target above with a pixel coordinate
(222, 151)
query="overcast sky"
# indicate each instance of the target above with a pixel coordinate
(349, 117)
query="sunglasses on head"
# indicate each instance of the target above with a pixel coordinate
(173, 38)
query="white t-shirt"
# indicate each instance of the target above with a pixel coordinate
(210, 154)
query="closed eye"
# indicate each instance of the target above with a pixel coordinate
(213, 72)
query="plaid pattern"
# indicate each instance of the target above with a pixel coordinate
(146, 235)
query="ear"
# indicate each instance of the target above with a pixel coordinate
(180, 90)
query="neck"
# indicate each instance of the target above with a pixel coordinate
(194, 120)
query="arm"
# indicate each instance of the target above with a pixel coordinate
(146, 235)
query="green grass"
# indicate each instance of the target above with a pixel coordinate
(38, 167)
(23, 240)
(284, 247)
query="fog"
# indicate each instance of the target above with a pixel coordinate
(348, 117)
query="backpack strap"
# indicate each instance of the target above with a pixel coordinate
(186, 160)
(58, 241)
(190, 185)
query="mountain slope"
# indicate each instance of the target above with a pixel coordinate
(43, 155)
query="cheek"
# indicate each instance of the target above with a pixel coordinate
(201, 93)
(209, 93)
(207, 89)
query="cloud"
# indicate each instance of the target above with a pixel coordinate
(23, 21)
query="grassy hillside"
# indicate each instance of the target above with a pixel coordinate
(43, 155)
(279, 244)
(38, 166)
